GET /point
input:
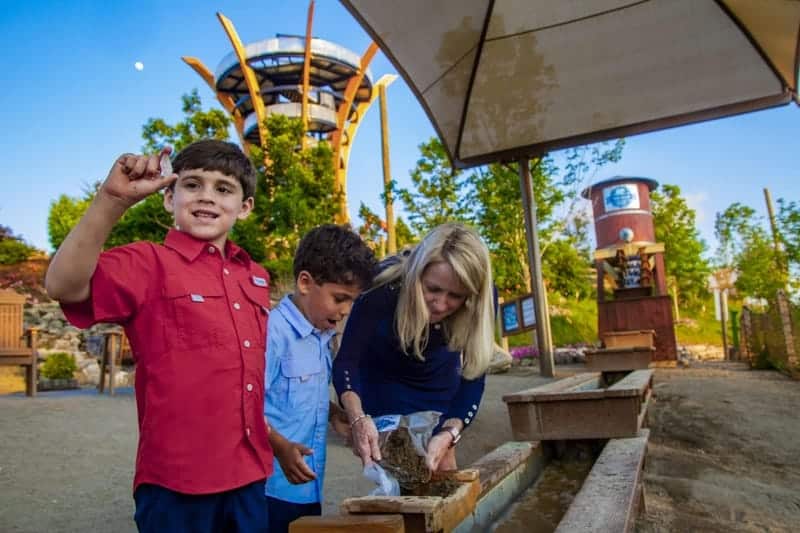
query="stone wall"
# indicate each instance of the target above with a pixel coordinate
(55, 334)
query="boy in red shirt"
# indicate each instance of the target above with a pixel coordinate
(195, 310)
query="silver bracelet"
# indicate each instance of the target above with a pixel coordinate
(358, 419)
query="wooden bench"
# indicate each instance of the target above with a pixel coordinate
(612, 495)
(17, 346)
(112, 348)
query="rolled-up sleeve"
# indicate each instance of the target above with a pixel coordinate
(467, 400)
(118, 288)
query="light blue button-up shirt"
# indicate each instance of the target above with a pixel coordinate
(298, 373)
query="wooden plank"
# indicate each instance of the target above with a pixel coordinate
(624, 350)
(18, 360)
(421, 513)
(365, 523)
(617, 361)
(586, 379)
(634, 384)
(455, 508)
(609, 497)
(392, 504)
(497, 464)
(469, 474)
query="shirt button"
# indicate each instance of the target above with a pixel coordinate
(226, 271)
(247, 431)
(246, 344)
(236, 305)
(249, 387)
(211, 249)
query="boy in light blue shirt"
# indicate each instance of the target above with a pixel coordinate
(332, 266)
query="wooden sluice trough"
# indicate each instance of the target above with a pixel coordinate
(619, 359)
(496, 488)
(623, 351)
(583, 406)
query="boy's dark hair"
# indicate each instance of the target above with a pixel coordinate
(335, 254)
(225, 157)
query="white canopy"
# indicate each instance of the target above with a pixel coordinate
(502, 79)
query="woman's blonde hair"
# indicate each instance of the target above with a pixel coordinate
(470, 329)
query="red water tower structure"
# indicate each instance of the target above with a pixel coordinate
(631, 279)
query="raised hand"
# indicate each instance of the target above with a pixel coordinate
(134, 177)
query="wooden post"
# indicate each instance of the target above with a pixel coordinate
(723, 311)
(391, 239)
(32, 371)
(498, 319)
(786, 325)
(545, 343)
(776, 238)
(306, 73)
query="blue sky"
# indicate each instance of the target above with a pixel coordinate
(72, 101)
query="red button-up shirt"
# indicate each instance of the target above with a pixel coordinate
(197, 326)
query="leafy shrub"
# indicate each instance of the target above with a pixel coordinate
(59, 365)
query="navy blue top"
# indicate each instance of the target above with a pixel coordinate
(371, 363)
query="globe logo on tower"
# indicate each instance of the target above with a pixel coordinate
(623, 196)
(620, 197)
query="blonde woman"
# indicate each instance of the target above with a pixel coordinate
(420, 339)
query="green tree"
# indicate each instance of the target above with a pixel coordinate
(295, 192)
(745, 245)
(788, 218)
(675, 226)
(196, 124)
(13, 249)
(65, 212)
(437, 194)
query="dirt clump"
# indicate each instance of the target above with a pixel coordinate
(401, 460)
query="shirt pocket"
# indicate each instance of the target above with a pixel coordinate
(300, 382)
(258, 306)
(198, 309)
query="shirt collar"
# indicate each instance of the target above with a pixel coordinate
(191, 248)
(299, 322)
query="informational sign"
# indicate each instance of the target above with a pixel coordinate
(518, 315)
(528, 312)
(510, 315)
(622, 196)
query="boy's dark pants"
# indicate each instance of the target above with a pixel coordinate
(282, 513)
(241, 510)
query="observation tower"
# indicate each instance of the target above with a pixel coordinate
(327, 86)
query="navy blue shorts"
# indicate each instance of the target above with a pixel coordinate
(282, 513)
(241, 510)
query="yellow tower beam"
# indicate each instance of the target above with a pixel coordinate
(340, 165)
(227, 102)
(249, 77)
(306, 72)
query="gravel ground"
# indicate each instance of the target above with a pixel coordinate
(723, 454)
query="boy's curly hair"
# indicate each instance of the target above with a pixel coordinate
(225, 157)
(335, 254)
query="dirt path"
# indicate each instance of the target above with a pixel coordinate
(724, 454)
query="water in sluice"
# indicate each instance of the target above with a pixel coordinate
(540, 508)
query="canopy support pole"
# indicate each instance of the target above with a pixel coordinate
(543, 338)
